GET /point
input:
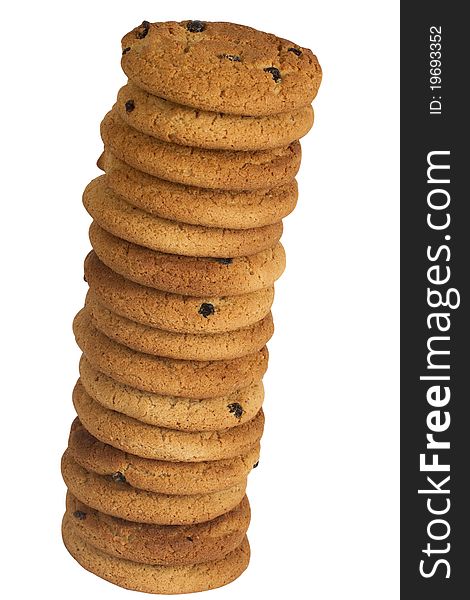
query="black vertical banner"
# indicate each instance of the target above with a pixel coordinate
(435, 301)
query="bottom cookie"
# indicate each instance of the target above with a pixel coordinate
(155, 579)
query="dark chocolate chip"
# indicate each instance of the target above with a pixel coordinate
(80, 515)
(129, 106)
(256, 464)
(206, 309)
(296, 51)
(232, 57)
(189, 538)
(236, 409)
(275, 73)
(224, 261)
(195, 26)
(118, 477)
(144, 29)
(126, 50)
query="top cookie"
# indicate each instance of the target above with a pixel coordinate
(220, 67)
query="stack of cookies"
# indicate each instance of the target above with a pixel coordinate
(201, 152)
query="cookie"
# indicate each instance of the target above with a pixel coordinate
(190, 379)
(185, 346)
(185, 414)
(199, 206)
(188, 275)
(178, 124)
(162, 477)
(154, 579)
(160, 544)
(119, 499)
(158, 443)
(215, 169)
(174, 312)
(118, 217)
(220, 67)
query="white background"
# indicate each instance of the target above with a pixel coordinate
(325, 496)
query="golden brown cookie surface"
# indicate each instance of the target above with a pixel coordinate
(214, 169)
(188, 275)
(171, 412)
(118, 217)
(155, 579)
(188, 126)
(221, 67)
(189, 379)
(162, 477)
(185, 346)
(160, 544)
(159, 443)
(175, 312)
(119, 499)
(199, 206)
